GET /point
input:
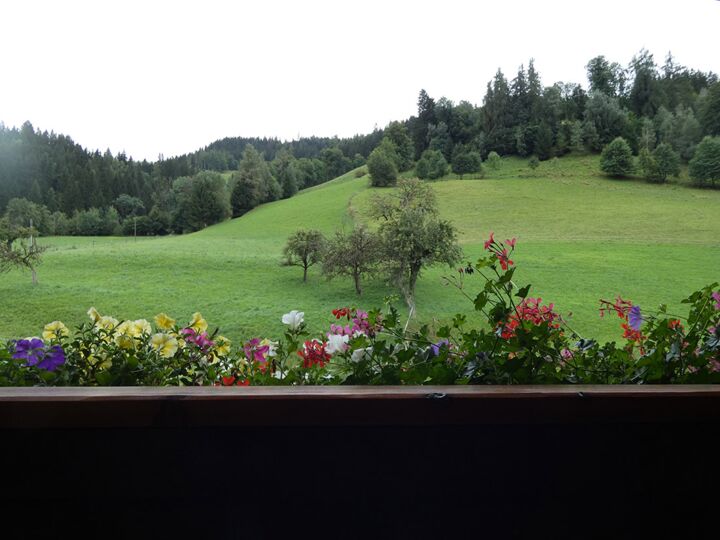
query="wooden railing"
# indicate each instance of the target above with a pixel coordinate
(400, 462)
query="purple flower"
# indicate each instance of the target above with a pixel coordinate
(435, 347)
(34, 353)
(635, 318)
(716, 297)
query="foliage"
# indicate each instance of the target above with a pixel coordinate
(413, 236)
(431, 165)
(493, 160)
(466, 162)
(523, 340)
(253, 183)
(382, 165)
(397, 133)
(705, 164)
(533, 162)
(353, 254)
(710, 110)
(661, 163)
(304, 248)
(617, 159)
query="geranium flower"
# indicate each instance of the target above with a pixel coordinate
(164, 322)
(361, 354)
(54, 330)
(337, 343)
(255, 351)
(490, 241)
(198, 323)
(716, 297)
(505, 262)
(165, 344)
(294, 319)
(511, 243)
(314, 353)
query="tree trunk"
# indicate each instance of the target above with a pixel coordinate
(356, 278)
(305, 273)
(34, 276)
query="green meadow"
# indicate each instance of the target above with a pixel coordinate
(581, 237)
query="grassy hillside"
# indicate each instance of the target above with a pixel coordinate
(581, 237)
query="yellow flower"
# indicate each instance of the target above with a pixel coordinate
(141, 327)
(106, 322)
(198, 323)
(54, 330)
(93, 314)
(164, 322)
(125, 341)
(164, 344)
(102, 362)
(222, 346)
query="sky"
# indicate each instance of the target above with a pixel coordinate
(153, 77)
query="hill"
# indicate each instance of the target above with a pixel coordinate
(581, 237)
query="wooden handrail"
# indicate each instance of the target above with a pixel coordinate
(68, 407)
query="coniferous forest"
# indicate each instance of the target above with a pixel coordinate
(69, 190)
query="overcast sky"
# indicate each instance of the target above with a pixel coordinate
(152, 77)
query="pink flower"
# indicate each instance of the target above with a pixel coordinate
(200, 340)
(511, 243)
(255, 352)
(716, 297)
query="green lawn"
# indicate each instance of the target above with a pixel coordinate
(581, 237)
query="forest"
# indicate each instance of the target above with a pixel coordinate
(68, 190)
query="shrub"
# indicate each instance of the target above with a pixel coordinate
(466, 162)
(533, 162)
(432, 165)
(617, 159)
(705, 164)
(493, 160)
(382, 168)
(659, 164)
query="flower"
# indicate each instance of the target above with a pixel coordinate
(716, 297)
(511, 243)
(33, 351)
(134, 329)
(490, 241)
(294, 319)
(255, 351)
(124, 341)
(505, 261)
(222, 346)
(198, 323)
(271, 345)
(54, 330)
(106, 323)
(165, 344)
(93, 314)
(199, 339)
(635, 318)
(336, 343)
(164, 322)
(314, 353)
(436, 347)
(361, 354)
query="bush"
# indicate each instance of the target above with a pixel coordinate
(432, 165)
(617, 159)
(466, 163)
(382, 168)
(705, 164)
(659, 164)
(493, 160)
(533, 162)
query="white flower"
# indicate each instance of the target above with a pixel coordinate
(361, 354)
(336, 343)
(272, 346)
(294, 319)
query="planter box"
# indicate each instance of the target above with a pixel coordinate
(580, 461)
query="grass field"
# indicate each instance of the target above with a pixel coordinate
(581, 237)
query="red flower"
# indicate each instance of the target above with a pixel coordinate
(532, 311)
(675, 324)
(314, 353)
(490, 241)
(231, 380)
(511, 243)
(505, 262)
(341, 312)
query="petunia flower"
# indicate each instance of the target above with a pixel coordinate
(33, 351)
(93, 314)
(294, 319)
(54, 330)
(435, 347)
(635, 318)
(222, 347)
(198, 323)
(164, 322)
(165, 344)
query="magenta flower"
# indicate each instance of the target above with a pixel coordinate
(635, 318)
(255, 352)
(716, 297)
(200, 340)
